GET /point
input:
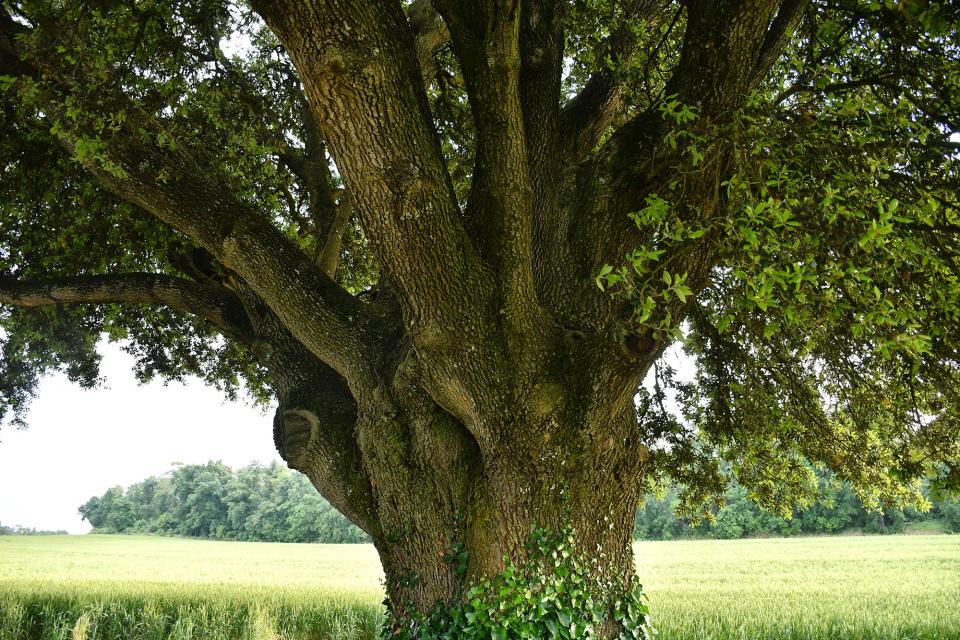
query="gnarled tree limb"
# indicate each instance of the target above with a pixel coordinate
(216, 305)
(431, 35)
(358, 67)
(305, 387)
(175, 187)
(323, 316)
(721, 47)
(588, 115)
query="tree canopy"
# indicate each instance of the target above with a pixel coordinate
(454, 238)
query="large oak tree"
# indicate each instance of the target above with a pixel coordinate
(453, 238)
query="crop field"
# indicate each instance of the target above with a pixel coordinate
(106, 587)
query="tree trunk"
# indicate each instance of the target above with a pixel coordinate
(503, 514)
(447, 510)
(432, 556)
(512, 498)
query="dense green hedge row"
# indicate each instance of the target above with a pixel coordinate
(264, 503)
(271, 503)
(17, 530)
(837, 511)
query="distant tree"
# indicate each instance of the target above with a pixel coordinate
(111, 512)
(151, 498)
(17, 530)
(200, 509)
(257, 503)
(90, 511)
(951, 515)
(836, 509)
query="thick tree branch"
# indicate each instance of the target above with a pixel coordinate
(578, 128)
(486, 41)
(585, 118)
(714, 75)
(541, 50)
(328, 218)
(314, 425)
(402, 196)
(171, 186)
(328, 248)
(216, 305)
(599, 105)
(721, 47)
(307, 389)
(720, 50)
(779, 35)
(314, 433)
(321, 314)
(720, 54)
(170, 183)
(872, 81)
(431, 35)
(359, 69)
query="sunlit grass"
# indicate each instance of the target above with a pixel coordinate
(105, 587)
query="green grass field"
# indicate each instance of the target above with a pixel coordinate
(104, 587)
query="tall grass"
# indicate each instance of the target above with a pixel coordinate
(106, 588)
(816, 588)
(50, 611)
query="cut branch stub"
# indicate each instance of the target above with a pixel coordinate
(293, 431)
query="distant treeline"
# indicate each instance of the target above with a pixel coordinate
(260, 503)
(838, 510)
(272, 504)
(17, 530)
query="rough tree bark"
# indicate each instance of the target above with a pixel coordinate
(487, 385)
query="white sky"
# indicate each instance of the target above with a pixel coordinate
(80, 443)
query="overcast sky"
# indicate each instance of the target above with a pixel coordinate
(80, 443)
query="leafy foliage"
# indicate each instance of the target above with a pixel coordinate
(256, 503)
(555, 594)
(826, 332)
(836, 509)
